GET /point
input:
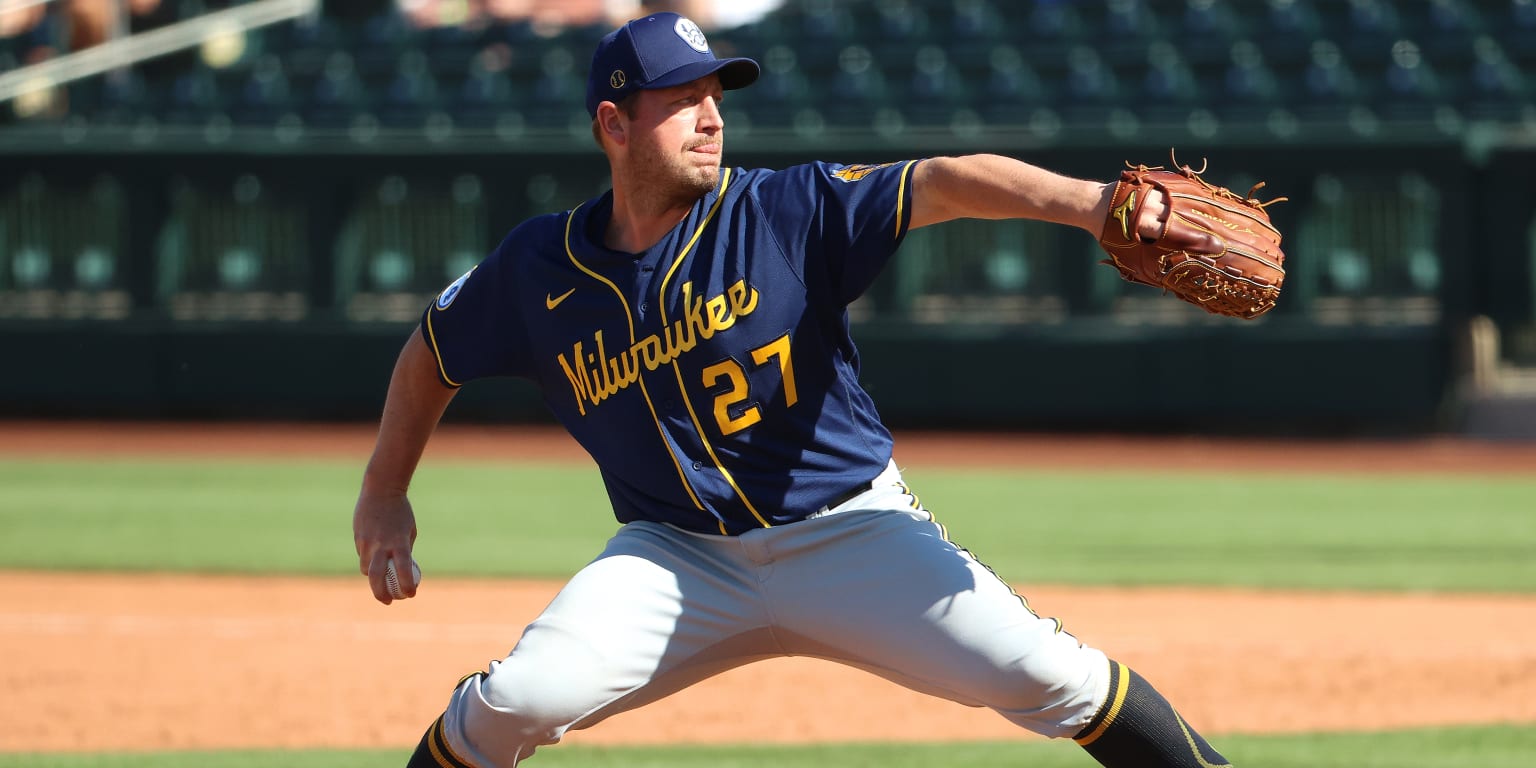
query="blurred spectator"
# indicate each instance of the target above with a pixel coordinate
(724, 14)
(22, 20)
(428, 14)
(147, 15)
(31, 34)
(91, 22)
(710, 14)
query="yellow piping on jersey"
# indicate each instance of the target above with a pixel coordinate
(901, 193)
(944, 534)
(629, 318)
(725, 181)
(437, 354)
(595, 276)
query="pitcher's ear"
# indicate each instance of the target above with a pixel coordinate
(611, 122)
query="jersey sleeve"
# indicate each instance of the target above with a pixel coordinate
(472, 327)
(849, 218)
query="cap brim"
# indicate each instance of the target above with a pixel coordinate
(734, 73)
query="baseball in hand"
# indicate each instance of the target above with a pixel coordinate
(392, 578)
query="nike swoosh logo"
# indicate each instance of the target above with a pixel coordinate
(550, 302)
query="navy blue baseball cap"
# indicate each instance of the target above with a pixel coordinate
(658, 51)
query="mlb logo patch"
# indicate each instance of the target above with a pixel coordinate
(452, 291)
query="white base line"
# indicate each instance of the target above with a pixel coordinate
(147, 45)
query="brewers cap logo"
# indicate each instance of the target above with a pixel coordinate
(617, 79)
(692, 35)
(452, 291)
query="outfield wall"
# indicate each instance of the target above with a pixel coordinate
(176, 281)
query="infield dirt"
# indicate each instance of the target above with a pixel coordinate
(110, 662)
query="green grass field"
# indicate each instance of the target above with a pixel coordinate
(1451, 533)
(1322, 531)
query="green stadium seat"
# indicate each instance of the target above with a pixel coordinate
(934, 89)
(1211, 20)
(1495, 87)
(975, 22)
(485, 95)
(1285, 31)
(557, 97)
(123, 98)
(410, 94)
(781, 91)
(380, 41)
(306, 45)
(1249, 89)
(1515, 28)
(194, 97)
(1412, 86)
(827, 25)
(1056, 20)
(856, 90)
(264, 94)
(337, 95)
(450, 49)
(1089, 87)
(1012, 90)
(1376, 17)
(1169, 86)
(1329, 85)
(900, 22)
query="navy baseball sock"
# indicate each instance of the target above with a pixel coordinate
(1138, 728)
(433, 751)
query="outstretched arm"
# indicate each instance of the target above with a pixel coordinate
(383, 525)
(997, 187)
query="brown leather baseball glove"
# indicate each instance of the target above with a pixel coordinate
(1217, 250)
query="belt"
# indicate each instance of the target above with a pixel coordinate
(846, 496)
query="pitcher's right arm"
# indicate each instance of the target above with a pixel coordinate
(383, 524)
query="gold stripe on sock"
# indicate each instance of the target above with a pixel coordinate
(1116, 700)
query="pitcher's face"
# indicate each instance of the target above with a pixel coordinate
(677, 138)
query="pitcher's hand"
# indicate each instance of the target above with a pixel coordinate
(383, 527)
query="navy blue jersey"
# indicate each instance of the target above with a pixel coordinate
(712, 377)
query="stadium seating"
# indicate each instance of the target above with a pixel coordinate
(1082, 70)
(927, 62)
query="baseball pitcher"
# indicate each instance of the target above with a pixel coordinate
(689, 328)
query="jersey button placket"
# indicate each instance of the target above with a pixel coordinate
(645, 305)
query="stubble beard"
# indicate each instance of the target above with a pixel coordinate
(675, 181)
